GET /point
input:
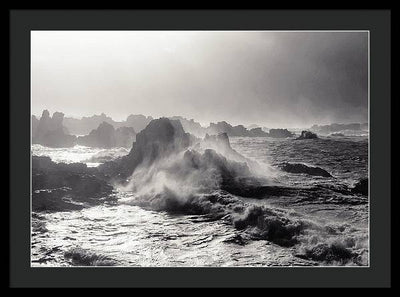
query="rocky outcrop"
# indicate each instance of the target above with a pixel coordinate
(160, 138)
(51, 132)
(307, 135)
(280, 133)
(60, 187)
(105, 136)
(258, 132)
(361, 187)
(301, 168)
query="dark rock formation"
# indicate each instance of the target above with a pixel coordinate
(328, 253)
(105, 136)
(301, 168)
(307, 135)
(160, 138)
(60, 187)
(258, 132)
(361, 187)
(51, 132)
(280, 133)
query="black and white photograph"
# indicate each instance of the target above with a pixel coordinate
(200, 148)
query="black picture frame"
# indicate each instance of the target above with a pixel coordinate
(377, 22)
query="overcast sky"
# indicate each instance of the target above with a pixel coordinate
(274, 79)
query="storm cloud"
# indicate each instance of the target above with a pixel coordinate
(285, 79)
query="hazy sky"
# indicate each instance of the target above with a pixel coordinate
(275, 79)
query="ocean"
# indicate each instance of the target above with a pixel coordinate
(331, 226)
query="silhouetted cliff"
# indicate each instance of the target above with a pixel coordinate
(51, 132)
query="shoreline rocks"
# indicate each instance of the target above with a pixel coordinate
(301, 168)
(60, 187)
(307, 135)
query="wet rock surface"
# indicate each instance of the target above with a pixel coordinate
(307, 135)
(301, 168)
(57, 187)
(361, 187)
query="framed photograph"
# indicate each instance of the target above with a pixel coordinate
(200, 148)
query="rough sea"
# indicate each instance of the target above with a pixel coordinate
(124, 234)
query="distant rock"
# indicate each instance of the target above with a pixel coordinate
(84, 125)
(280, 133)
(258, 132)
(337, 135)
(307, 135)
(335, 127)
(34, 124)
(49, 131)
(60, 187)
(361, 187)
(138, 122)
(105, 136)
(234, 131)
(301, 168)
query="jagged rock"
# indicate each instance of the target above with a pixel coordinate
(51, 132)
(258, 132)
(105, 136)
(279, 133)
(307, 135)
(301, 168)
(59, 187)
(224, 127)
(160, 138)
(361, 187)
